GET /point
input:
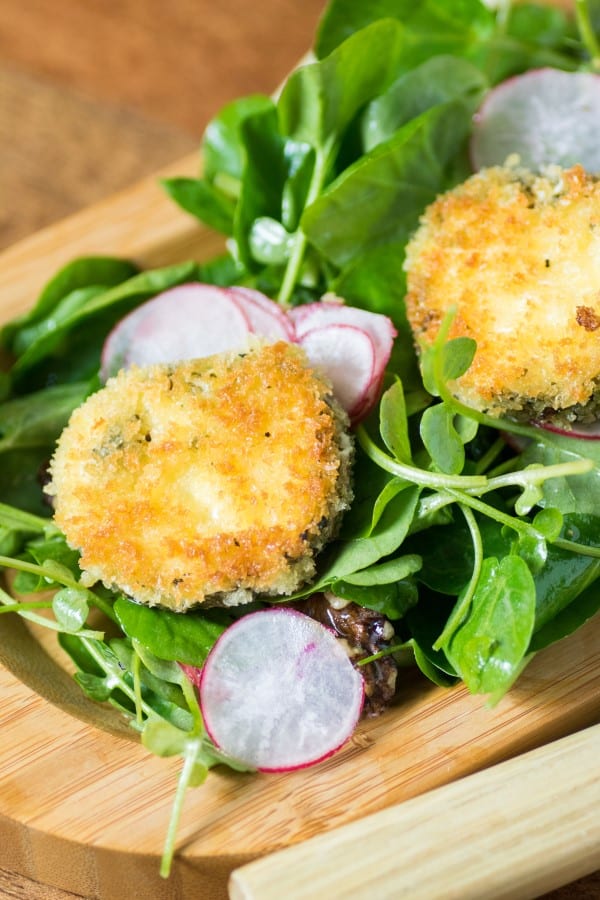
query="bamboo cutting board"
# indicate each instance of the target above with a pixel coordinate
(84, 808)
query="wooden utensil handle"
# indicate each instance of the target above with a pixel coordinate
(515, 830)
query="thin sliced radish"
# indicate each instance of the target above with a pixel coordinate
(185, 322)
(265, 316)
(379, 329)
(583, 432)
(546, 116)
(116, 345)
(347, 356)
(278, 691)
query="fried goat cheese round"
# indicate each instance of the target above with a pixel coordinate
(517, 255)
(212, 480)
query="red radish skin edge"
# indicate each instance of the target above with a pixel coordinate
(262, 316)
(199, 679)
(580, 432)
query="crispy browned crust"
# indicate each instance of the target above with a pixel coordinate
(215, 478)
(518, 256)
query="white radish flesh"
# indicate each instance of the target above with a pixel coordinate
(187, 322)
(379, 328)
(265, 316)
(116, 345)
(347, 356)
(278, 691)
(546, 116)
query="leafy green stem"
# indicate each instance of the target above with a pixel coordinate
(114, 673)
(464, 601)
(422, 477)
(190, 755)
(294, 264)
(587, 33)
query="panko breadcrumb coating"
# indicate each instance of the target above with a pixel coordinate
(518, 256)
(210, 480)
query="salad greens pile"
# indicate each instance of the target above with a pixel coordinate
(478, 538)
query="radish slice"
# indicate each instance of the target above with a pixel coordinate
(116, 345)
(265, 316)
(546, 116)
(278, 691)
(583, 432)
(186, 322)
(346, 354)
(379, 329)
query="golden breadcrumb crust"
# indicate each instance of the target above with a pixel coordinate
(518, 256)
(207, 479)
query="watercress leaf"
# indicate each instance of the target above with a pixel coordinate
(70, 607)
(300, 159)
(442, 440)
(574, 494)
(566, 574)
(79, 653)
(530, 496)
(452, 25)
(203, 200)
(55, 357)
(169, 635)
(489, 646)
(390, 490)
(391, 600)
(265, 173)
(387, 572)
(393, 422)
(166, 670)
(543, 24)
(79, 273)
(428, 668)
(585, 605)
(347, 557)
(378, 199)
(466, 428)
(457, 356)
(319, 100)
(163, 739)
(269, 242)
(437, 80)
(19, 478)
(222, 148)
(96, 687)
(37, 419)
(549, 522)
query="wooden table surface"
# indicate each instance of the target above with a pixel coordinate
(94, 95)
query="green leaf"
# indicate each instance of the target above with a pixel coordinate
(80, 273)
(202, 200)
(449, 26)
(70, 607)
(353, 555)
(37, 419)
(437, 80)
(391, 600)
(393, 423)
(163, 739)
(442, 441)
(489, 647)
(222, 148)
(457, 356)
(168, 635)
(320, 100)
(387, 572)
(378, 199)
